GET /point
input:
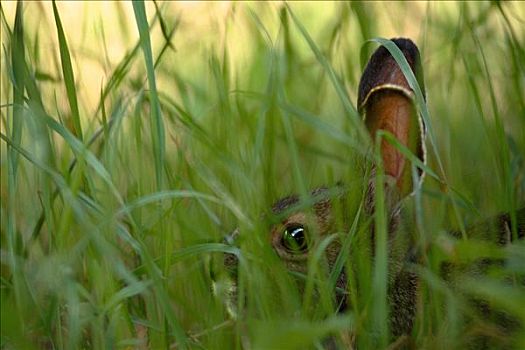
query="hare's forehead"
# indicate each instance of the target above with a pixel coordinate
(318, 199)
(285, 203)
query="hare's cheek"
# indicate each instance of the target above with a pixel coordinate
(332, 252)
(231, 263)
(224, 284)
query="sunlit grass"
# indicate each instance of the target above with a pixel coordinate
(127, 158)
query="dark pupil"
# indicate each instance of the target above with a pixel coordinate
(295, 238)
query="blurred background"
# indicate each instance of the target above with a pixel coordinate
(472, 57)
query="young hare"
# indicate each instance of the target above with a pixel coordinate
(386, 102)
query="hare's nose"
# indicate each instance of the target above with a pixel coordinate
(231, 261)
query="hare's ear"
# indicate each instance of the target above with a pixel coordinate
(387, 102)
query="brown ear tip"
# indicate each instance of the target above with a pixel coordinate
(405, 44)
(383, 71)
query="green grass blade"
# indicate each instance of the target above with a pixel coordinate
(345, 249)
(336, 81)
(380, 313)
(298, 334)
(320, 126)
(502, 147)
(195, 250)
(83, 153)
(157, 124)
(18, 76)
(69, 76)
(409, 155)
(126, 293)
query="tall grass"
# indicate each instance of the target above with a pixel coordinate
(120, 183)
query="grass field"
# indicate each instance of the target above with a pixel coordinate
(134, 137)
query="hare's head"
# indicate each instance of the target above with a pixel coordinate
(386, 102)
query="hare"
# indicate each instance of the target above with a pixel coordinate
(386, 102)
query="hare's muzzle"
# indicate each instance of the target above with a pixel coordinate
(231, 261)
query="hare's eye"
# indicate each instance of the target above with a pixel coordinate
(294, 238)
